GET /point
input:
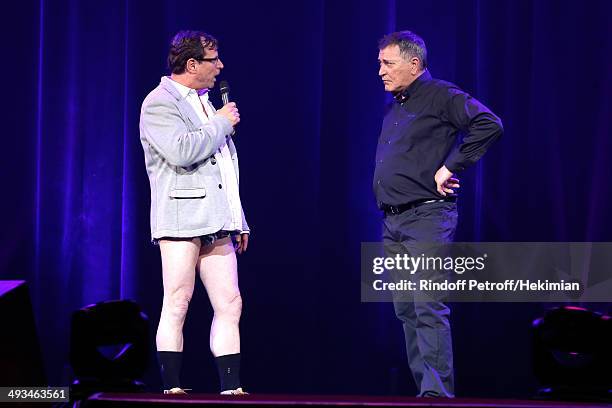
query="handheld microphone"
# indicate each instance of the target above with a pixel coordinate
(224, 88)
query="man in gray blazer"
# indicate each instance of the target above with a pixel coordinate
(195, 205)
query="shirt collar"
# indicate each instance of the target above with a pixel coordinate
(185, 91)
(412, 88)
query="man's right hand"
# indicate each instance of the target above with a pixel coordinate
(230, 111)
(445, 181)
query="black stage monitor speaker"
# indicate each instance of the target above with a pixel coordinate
(20, 357)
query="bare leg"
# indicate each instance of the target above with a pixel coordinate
(179, 259)
(218, 271)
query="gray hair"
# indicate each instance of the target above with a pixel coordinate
(410, 45)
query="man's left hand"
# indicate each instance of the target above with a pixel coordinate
(445, 181)
(242, 241)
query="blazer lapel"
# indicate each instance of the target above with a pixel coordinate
(182, 104)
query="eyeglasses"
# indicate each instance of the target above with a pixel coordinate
(213, 61)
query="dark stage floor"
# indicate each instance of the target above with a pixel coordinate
(211, 400)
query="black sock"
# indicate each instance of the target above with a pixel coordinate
(170, 367)
(229, 371)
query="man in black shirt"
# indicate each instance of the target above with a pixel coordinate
(415, 187)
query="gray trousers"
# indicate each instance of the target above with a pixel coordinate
(426, 323)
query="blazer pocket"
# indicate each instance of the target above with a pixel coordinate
(197, 192)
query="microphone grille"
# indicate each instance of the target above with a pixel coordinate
(224, 86)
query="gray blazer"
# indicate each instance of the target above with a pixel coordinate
(187, 199)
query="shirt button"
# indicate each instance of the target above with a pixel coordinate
(396, 123)
(220, 186)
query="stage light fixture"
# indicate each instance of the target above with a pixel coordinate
(109, 348)
(572, 354)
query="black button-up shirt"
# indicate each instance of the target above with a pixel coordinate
(419, 135)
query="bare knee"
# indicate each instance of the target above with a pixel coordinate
(176, 303)
(231, 310)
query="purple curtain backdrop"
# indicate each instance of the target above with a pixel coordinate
(305, 76)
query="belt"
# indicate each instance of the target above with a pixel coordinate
(398, 209)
